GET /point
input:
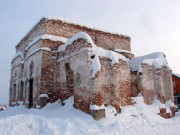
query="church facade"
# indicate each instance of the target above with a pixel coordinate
(58, 59)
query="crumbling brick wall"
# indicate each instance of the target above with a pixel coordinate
(147, 82)
(156, 82)
(49, 75)
(80, 78)
(74, 66)
(164, 88)
(111, 85)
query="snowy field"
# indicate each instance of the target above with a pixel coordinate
(55, 119)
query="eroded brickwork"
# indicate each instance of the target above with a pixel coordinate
(155, 82)
(110, 86)
(48, 76)
(74, 75)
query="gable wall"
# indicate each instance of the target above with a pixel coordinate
(35, 32)
(101, 39)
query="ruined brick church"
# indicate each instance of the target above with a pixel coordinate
(58, 59)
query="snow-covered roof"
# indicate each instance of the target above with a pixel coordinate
(38, 49)
(178, 75)
(79, 35)
(46, 36)
(96, 51)
(122, 51)
(156, 60)
(18, 54)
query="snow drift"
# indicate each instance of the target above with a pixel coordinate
(54, 119)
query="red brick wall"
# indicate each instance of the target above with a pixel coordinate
(76, 80)
(63, 29)
(49, 75)
(100, 38)
(148, 86)
(112, 86)
(177, 84)
(156, 82)
(51, 44)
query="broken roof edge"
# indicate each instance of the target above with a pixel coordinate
(53, 18)
(80, 35)
(96, 52)
(156, 60)
(46, 37)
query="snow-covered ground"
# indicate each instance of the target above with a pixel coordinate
(54, 119)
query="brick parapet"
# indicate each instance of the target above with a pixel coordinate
(103, 39)
(100, 38)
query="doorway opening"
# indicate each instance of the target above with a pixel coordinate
(30, 93)
(69, 80)
(21, 91)
(14, 92)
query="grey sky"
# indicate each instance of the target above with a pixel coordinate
(152, 25)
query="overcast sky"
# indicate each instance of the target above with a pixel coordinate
(153, 25)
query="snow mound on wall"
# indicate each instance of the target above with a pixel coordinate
(122, 51)
(157, 60)
(46, 36)
(96, 52)
(95, 107)
(79, 35)
(100, 52)
(44, 96)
